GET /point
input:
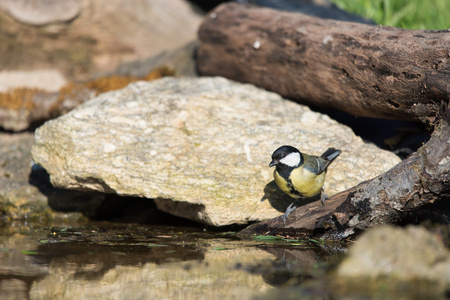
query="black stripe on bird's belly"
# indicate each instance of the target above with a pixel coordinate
(292, 190)
(285, 171)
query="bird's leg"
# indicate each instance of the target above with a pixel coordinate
(323, 197)
(290, 208)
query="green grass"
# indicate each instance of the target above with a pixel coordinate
(411, 14)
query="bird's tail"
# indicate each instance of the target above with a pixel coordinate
(331, 154)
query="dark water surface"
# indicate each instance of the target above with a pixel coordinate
(129, 261)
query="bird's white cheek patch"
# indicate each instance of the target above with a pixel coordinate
(291, 160)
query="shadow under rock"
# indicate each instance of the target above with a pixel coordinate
(103, 207)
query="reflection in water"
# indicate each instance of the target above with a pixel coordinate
(140, 262)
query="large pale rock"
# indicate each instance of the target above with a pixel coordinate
(199, 147)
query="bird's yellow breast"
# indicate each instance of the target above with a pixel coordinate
(306, 183)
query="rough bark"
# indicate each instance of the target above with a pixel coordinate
(365, 70)
(421, 179)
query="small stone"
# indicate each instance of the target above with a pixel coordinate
(47, 80)
(38, 12)
(20, 200)
(391, 253)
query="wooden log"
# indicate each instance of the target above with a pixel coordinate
(421, 179)
(365, 70)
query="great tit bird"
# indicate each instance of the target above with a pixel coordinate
(299, 174)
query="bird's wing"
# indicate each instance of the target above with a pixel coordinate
(322, 164)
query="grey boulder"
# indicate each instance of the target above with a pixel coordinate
(200, 147)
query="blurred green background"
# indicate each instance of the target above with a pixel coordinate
(411, 14)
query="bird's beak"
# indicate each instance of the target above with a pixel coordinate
(273, 163)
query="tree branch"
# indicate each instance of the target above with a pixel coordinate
(365, 70)
(421, 179)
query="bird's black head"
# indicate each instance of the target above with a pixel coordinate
(286, 156)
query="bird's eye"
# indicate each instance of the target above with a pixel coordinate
(282, 155)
